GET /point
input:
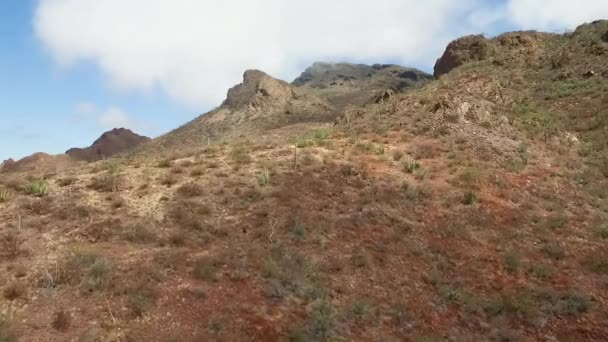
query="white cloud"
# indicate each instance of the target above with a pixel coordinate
(113, 118)
(86, 108)
(194, 50)
(555, 14)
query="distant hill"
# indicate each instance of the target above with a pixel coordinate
(110, 143)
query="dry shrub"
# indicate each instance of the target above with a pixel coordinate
(61, 321)
(11, 242)
(169, 180)
(116, 201)
(425, 151)
(190, 190)
(108, 182)
(197, 172)
(14, 291)
(189, 214)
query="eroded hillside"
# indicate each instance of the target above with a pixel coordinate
(470, 208)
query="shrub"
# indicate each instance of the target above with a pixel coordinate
(470, 198)
(554, 251)
(322, 133)
(240, 155)
(602, 232)
(512, 262)
(397, 155)
(11, 242)
(61, 321)
(67, 181)
(597, 263)
(379, 149)
(108, 182)
(410, 165)
(205, 269)
(36, 188)
(169, 180)
(264, 177)
(14, 291)
(190, 190)
(7, 331)
(142, 299)
(197, 172)
(165, 163)
(4, 195)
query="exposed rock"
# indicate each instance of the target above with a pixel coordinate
(462, 50)
(346, 75)
(110, 143)
(258, 92)
(384, 96)
(589, 74)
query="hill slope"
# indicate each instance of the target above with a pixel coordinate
(469, 208)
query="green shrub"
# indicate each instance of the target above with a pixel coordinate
(554, 251)
(4, 195)
(264, 177)
(379, 149)
(470, 198)
(322, 133)
(36, 188)
(602, 232)
(410, 165)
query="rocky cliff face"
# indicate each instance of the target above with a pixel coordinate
(110, 143)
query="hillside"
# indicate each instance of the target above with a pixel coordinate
(471, 207)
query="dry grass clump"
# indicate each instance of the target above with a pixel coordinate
(10, 243)
(189, 214)
(190, 190)
(14, 291)
(61, 321)
(109, 182)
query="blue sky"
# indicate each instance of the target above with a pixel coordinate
(72, 69)
(39, 100)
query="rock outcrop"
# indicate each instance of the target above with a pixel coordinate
(461, 51)
(110, 143)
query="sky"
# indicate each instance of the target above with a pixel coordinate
(73, 69)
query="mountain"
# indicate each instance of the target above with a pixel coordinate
(110, 143)
(470, 206)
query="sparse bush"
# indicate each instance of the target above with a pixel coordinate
(169, 180)
(197, 172)
(61, 321)
(542, 271)
(410, 165)
(108, 182)
(379, 149)
(205, 269)
(189, 214)
(397, 155)
(37, 188)
(554, 251)
(165, 163)
(139, 233)
(7, 331)
(470, 198)
(142, 299)
(4, 195)
(602, 232)
(67, 181)
(190, 190)
(264, 177)
(597, 263)
(240, 155)
(324, 322)
(11, 242)
(512, 262)
(322, 133)
(14, 291)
